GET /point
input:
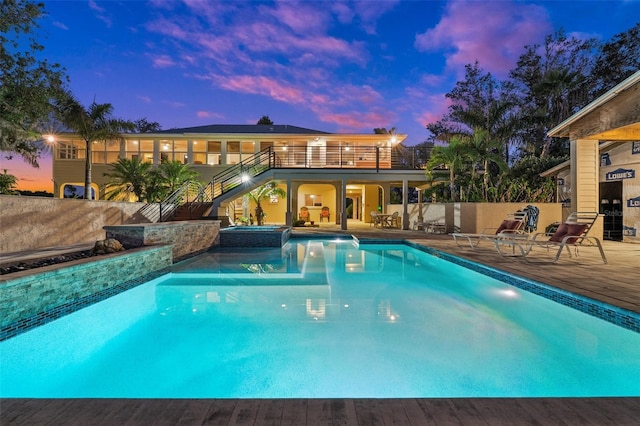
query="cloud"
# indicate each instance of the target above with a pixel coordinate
(60, 25)
(100, 12)
(493, 33)
(209, 114)
(162, 61)
(145, 99)
(260, 85)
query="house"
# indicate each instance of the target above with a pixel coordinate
(344, 172)
(604, 139)
(619, 189)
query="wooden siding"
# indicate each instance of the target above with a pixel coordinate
(619, 119)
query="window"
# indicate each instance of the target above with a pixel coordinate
(146, 151)
(180, 151)
(105, 152)
(70, 150)
(233, 152)
(214, 152)
(313, 200)
(199, 150)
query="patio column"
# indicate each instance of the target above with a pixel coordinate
(288, 217)
(585, 179)
(343, 210)
(405, 201)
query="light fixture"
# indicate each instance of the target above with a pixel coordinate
(245, 178)
(347, 148)
(50, 139)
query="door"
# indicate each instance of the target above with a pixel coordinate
(611, 209)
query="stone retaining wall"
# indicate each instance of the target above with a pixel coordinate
(187, 237)
(29, 223)
(35, 297)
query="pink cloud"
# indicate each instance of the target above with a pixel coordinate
(162, 61)
(356, 121)
(260, 85)
(497, 43)
(209, 114)
(145, 99)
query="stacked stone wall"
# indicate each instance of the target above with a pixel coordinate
(34, 297)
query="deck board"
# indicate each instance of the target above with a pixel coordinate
(300, 412)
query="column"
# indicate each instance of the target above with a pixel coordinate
(343, 202)
(585, 179)
(405, 201)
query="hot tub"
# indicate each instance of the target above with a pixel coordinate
(254, 236)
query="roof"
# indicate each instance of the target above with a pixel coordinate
(603, 147)
(562, 129)
(245, 129)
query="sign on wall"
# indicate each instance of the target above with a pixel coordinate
(621, 174)
(628, 231)
(605, 160)
(633, 202)
(635, 147)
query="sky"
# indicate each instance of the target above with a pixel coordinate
(335, 66)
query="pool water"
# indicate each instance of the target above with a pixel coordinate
(323, 319)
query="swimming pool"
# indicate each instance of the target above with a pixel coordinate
(323, 318)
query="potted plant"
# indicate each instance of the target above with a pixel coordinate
(244, 220)
(262, 193)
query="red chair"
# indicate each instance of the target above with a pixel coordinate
(304, 214)
(325, 214)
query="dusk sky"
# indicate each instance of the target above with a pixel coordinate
(330, 66)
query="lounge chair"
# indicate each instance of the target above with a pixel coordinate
(571, 233)
(512, 227)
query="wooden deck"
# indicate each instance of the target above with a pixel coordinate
(299, 412)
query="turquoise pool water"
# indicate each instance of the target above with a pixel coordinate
(322, 318)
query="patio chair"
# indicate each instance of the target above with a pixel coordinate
(571, 233)
(511, 227)
(393, 221)
(325, 214)
(304, 214)
(375, 220)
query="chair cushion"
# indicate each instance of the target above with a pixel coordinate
(571, 229)
(508, 225)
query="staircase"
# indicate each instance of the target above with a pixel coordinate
(193, 201)
(191, 210)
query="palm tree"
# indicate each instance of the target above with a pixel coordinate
(454, 156)
(262, 193)
(128, 177)
(91, 124)
(482, 149)
(173, 174)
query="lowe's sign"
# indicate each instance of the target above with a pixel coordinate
(633, 202)
(621, 174)
(629, 231)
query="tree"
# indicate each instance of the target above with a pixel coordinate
(144, 126)
(28, 85)
(262, 193)
(617, 60)
(128, 178)
(7, 183)
(92, 124)
(454, 156)
(173, 174)
(265, 120)
(550, 81)
(482, 149)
